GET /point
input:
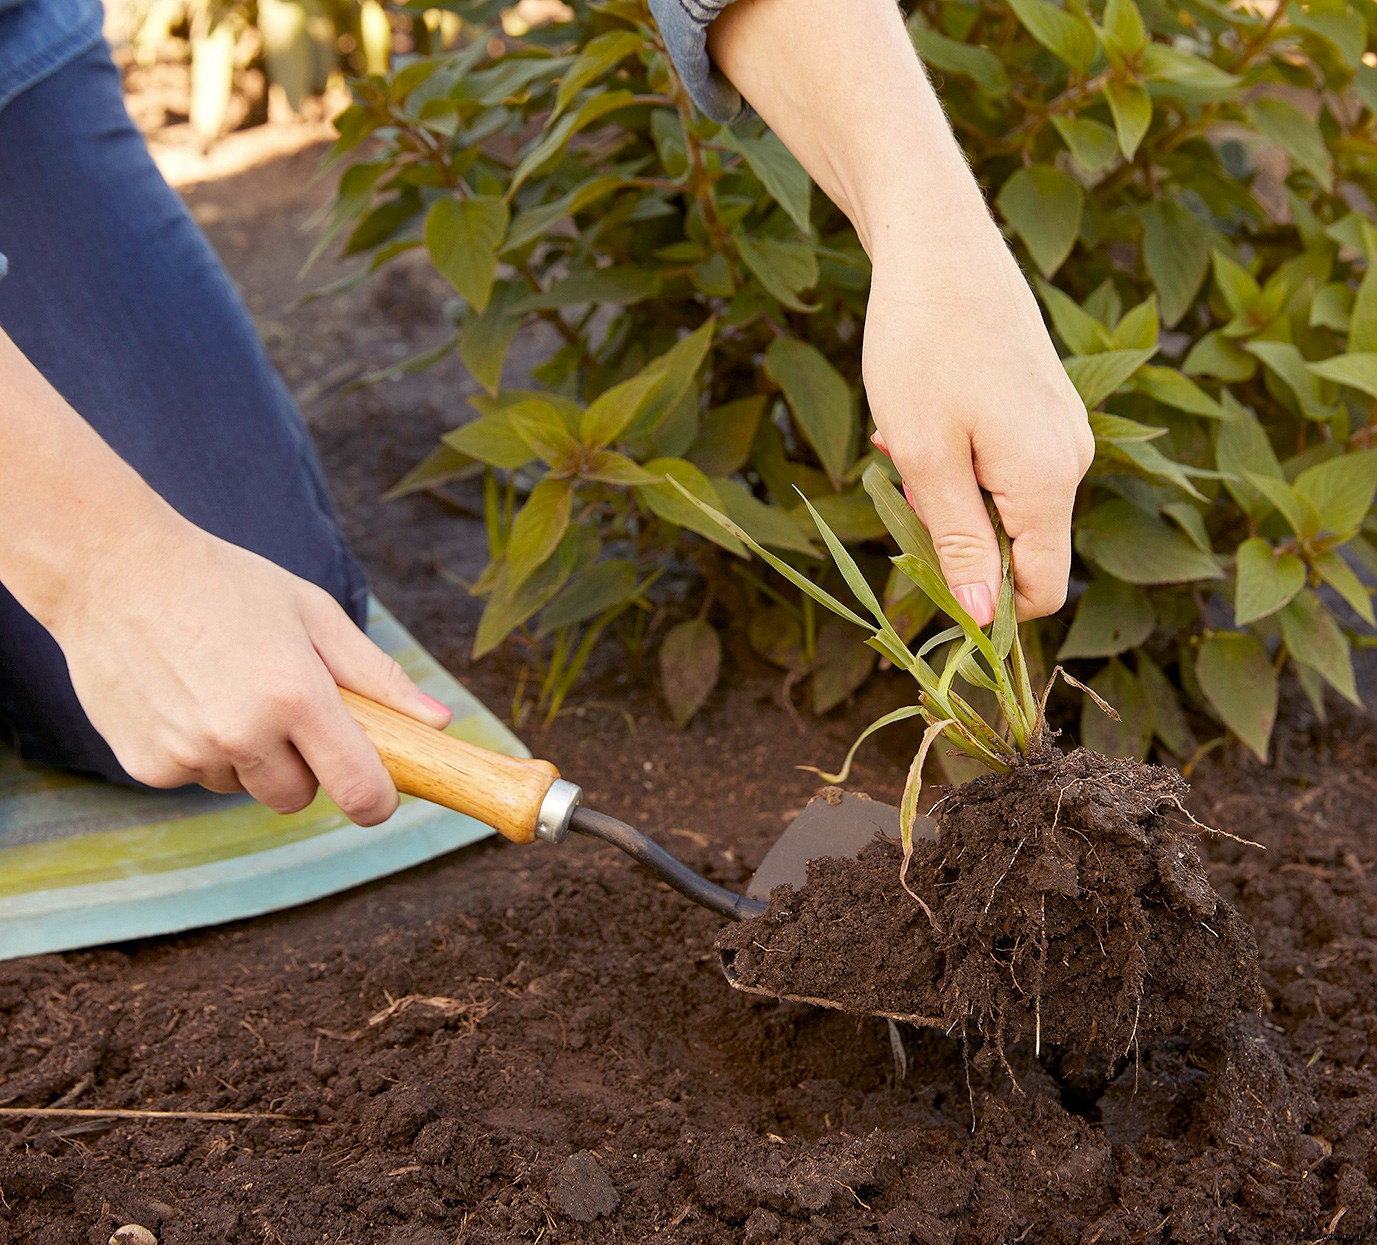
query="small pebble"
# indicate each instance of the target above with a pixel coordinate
(133, 1234)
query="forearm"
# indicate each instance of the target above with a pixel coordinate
(840, 83)
(67, 500)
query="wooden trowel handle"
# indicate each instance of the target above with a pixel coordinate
(506, 793)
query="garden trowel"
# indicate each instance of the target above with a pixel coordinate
(526, 799)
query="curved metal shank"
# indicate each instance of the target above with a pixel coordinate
(654, 858)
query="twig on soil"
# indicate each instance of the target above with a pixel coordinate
(92, 1113)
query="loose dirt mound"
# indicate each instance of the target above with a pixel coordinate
(1070, 905)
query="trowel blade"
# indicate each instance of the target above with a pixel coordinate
(834, 823)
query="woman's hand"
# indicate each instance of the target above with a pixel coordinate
(967, 394)
(964, 384)
(202, 663)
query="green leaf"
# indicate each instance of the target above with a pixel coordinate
(1287, 363)
(622, 286)
(1357, 371)
(1297, 134)
(725, 435)
(785, 269)
(898, 516)
(1299, 513)
(609, 467)
(690, 662)
(820, 399)
(442, 464)
(463, 237)
(1332, 307)
(1139, 548)
(509, 607)
(1217, 355)
(485, 339)
(1362, 327)
(1176, 254)
(1123, 33)
(1139, 328)
(799, 580)
(1131, 734)
(840, 665)
(687, 498)
(535, 223)
(540, 424)
(783, 177)
(952, 56)
(776, 635)
(538, 528)
(1185, 76)
(1341, 490)
(1131, 107)
(898, 715)
(1082, 333)
(1240, 289)
(602, 587)
(1043, 206)
(492, 439)
(1239, 681)
(1365, 83)
(1241, 448)
(1339, 23)
(1097, 376)
(1171, 388)
(673, 373)
(1115, 428)
(556, 137)
(598, 56)
(850, 515)
(1164, 705)
(1267, 579)
(1068, 35)
(1337, 573)
(1111, 618)
(856, 580)
(1314, 639)
(770, 525)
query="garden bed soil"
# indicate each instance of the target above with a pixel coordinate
(536, 1044)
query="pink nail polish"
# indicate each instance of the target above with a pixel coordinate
(879, 443)
(975, 600)
(908, 497)
(434, 705)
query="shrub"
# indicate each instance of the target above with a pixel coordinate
(1191, 187)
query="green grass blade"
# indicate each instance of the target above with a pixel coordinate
(899, 715)
(800, 581)
(857, 581)
(897, 515)
(1005, 623)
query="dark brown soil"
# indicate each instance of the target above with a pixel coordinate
(535, 1044)
(1064, 902)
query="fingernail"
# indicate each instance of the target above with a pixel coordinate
(908, 497)
(436, 707)
(879, 443)
(976, 601)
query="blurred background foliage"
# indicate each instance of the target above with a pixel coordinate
(1189, 185)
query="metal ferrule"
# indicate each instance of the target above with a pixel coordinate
(557, 810)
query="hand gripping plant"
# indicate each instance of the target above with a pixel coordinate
(1063, 898)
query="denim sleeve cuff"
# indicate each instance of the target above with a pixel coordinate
(684, 25)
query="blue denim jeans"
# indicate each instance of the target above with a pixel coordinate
(117, 298)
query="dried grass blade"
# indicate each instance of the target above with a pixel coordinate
(908, 811)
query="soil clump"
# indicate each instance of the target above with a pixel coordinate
(1066, 902)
